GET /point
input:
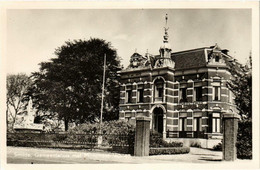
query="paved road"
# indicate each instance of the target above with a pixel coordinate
(23, 155)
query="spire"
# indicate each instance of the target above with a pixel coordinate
(165, 49)
(166, 36)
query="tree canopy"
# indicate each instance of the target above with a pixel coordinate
(70, 85)
(241, 86)
(17, 86)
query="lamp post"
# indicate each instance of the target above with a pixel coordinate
(102, 104)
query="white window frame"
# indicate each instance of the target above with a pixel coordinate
(219, 94)
(127, 96)
(138, 95)
(216, 124)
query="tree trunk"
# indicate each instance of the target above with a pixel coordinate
(14, 118)
(66, 122)
(7, 124)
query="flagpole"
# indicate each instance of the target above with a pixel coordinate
(103, 87)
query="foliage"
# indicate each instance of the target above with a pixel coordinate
(244, 140)
(70, 85)
(114, 133)
(108, 127)
(241, 86)
(16, 98)
(218, 147)
(169, 151)
(156, 140)
(195, 144)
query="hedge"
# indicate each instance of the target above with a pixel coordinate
(156, 141)
(108, 127)
(244, 140)
(217, 147)
(169, 151)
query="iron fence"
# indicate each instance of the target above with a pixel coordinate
(82, 140)
(186, 134)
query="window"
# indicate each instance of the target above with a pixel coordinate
(216, 122)
(216, 93)
(217, 59)
(128, 96)
(197, 124)
(140, 95)
(183, 95)
(198, 93)
(216, 125)
(183, 124)
(158, 90)
(128, 119)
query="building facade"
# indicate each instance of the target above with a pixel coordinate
(184, 93)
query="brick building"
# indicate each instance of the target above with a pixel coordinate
(184, 93)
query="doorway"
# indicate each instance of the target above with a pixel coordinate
(158, 120)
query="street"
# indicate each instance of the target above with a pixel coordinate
(23, 155)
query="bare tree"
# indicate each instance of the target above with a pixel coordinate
(17, 88)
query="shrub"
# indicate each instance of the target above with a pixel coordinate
(244, 140)
(156, 141)
(169, 151)
(218, 147)
(114, 133)
(195, 144)
(117, 132)
(107, 127)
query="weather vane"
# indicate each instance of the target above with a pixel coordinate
(166, 28)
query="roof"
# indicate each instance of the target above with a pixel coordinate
(189, 59)
(193, 58)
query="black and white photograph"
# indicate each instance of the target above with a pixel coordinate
(160, 85)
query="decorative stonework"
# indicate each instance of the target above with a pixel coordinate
(184, 74)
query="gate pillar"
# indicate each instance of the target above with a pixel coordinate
(230, 126)
(142, 136)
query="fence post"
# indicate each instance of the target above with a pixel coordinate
(142, 136)
(230, 126)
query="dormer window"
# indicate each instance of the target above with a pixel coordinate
(217, 58)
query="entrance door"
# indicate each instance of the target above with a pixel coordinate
(197, 128)
(182, 127)
(158, 120)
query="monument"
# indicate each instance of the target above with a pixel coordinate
(26, 123)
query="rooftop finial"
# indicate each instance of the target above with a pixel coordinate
(166, 29)
(135, 50)
(166, 18)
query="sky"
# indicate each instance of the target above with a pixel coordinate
(34, 34)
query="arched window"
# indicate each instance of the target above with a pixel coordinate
(158, 90)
